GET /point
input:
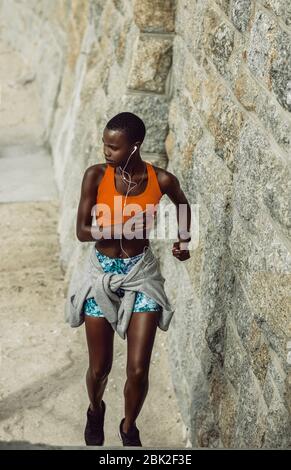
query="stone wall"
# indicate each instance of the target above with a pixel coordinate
(210, 79)
(229, 143)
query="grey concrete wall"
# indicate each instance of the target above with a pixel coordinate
(211, 80)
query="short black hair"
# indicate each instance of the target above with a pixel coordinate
(129, 123)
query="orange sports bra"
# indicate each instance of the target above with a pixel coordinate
(110, 202)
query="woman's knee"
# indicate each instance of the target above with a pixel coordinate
(99, 373)
(137, 373)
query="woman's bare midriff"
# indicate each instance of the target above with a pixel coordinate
(112, 247)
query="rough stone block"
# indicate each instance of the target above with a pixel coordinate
(220, 43)
(157, 16)
(236, 361)
(224, 5)
(259, 54)
(280, 70)
(153, 109)
(281, 8)
(151, 62)
(227, 415)
(250, 400)
(240, 13)
(277, 430)
(270, 62)
(188, 21)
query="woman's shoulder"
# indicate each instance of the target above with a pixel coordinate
(92, 178)
(95, 171)
(161, 172)
(165, 178)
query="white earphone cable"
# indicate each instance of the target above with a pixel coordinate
(122, 170)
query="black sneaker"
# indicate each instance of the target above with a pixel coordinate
(131, 438)
(94, 432)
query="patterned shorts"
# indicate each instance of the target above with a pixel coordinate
(143, 303)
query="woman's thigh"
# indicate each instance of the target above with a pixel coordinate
(100, 339)
(140, 340)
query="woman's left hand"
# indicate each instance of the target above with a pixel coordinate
(181, 255)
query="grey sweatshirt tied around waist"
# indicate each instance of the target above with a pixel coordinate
(145, 276)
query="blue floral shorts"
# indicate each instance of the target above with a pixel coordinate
(143, 303)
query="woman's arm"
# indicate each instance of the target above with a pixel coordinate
(84, 229)
(171, 187)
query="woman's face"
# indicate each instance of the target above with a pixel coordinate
(116, 147)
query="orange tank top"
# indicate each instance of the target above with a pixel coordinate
(110, 202)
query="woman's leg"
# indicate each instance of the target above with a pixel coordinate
(140, 339)
(100, 336)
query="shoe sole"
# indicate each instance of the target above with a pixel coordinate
(96, 445)
(118, 434)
